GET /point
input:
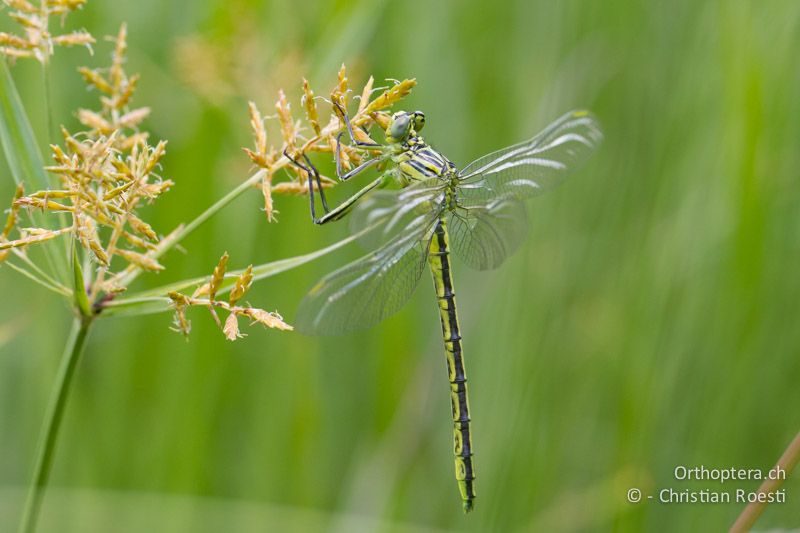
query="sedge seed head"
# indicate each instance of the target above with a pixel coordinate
(206, 296)
(310, 136)
(37, 41)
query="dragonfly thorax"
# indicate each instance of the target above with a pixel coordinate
(415, 159)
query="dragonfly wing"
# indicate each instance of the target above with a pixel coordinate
(363, 293)
(529, 168)
(484, 236)
(384, 214)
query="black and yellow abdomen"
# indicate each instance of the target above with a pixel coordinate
(439, 261)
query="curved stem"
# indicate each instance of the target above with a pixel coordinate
(786, 464)
(246, 185)
(131, 273)
(55, 412)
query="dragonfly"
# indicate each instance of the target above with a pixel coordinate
(420, 210)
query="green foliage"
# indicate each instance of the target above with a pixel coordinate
(22, 154)
(79, 296)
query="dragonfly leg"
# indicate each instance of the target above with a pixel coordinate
(344, 208)
(347, 123)
(313, 175)
(344, 176)
(318, 179)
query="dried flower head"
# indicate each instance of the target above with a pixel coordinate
(205, 296)
(101, 187)
(116, 90)
(38, 42)
(105, 175)
(298, 139)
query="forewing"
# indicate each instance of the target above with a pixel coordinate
(530, 168)
(382, 215)
(363, 293)
(484, 236)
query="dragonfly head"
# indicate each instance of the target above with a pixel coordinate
(403, 125)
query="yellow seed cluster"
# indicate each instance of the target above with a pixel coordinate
(37, 41)
(309, 135)
(205, 296)
(217, 277)
(242, 285)
(102, 187)
(105, 175)
(116, 90)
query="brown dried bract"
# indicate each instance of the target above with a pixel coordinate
(205, 296)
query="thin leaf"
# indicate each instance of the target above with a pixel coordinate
(25, 161)
(156, 301)
(16, 135)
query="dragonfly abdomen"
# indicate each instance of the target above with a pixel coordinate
(462, 440)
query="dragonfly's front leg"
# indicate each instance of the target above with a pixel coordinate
(344, 176)
(363, 144)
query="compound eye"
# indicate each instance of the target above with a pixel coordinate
(419, 120)
(399, 128)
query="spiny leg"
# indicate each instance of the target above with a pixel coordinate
(344, 176)
(342, 209)
(318, 179)
(357, 170)
(350, 129)
(310, 173)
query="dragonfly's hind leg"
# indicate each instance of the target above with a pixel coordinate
(343, 208)
(313, 176)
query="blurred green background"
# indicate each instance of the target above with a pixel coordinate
(648, 322)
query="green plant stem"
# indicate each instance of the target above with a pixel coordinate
(156, 301)
(51, 133)
(246, 185)
(52, 422)
(184, 231)
(786, 463)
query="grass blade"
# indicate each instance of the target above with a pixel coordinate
(16, 135)
(25, 160)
